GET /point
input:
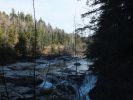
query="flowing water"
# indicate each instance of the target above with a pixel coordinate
(64, 78)
(81, 86)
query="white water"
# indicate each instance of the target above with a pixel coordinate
(88, 84)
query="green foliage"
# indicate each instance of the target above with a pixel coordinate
(17, 32)
(21, 46)
(12, 36)
(1, 36)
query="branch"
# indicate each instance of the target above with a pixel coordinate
(90, 12)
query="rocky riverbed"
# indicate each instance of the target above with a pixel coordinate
(63, 78)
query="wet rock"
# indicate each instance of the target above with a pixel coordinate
(53, 79)
(21, 66)
(28, 97)
(21, 73)
(41, 66)
(77, 64)
(22, 90)
(67, 70)
(23, 81)
(61, 79)
(65, 58)
(2, 88)
(58, 97)
(15, 92)
(41, 61)
(62, 92)
(46, 88)
(66, 88)
(5, 68)
(78, 78)
(46, 91)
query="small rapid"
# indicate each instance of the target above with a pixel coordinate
(64, 78)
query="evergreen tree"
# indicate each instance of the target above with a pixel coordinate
(111, 50)
(17, 33)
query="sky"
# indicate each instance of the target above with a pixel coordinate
(59, 13)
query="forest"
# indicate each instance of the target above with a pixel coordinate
(17, 37)
(110, 48)
(97, 67)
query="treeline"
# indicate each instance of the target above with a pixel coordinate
(110, 48)
(17, 34)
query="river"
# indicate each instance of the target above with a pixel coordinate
(63, 78)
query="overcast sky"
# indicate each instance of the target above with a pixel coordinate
(59, 13)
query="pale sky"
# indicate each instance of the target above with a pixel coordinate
(59, 13)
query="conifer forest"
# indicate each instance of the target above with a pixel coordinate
(66, 50)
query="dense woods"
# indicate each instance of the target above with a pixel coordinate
(110, 48)
(17, 36)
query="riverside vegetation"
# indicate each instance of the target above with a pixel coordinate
(17, 37)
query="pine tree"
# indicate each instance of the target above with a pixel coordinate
(111, 51)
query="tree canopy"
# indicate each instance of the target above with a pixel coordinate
(17, 32)
(110, 48)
